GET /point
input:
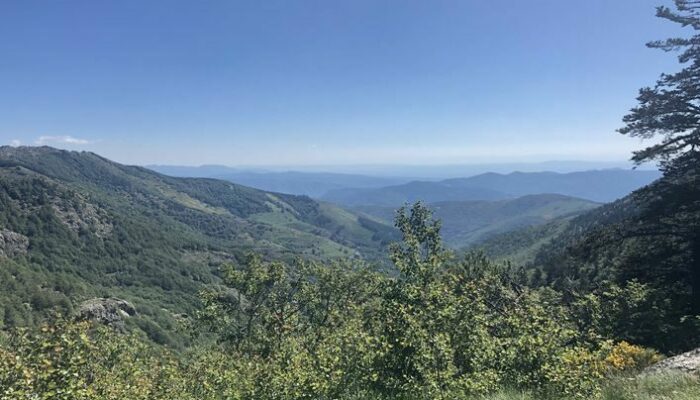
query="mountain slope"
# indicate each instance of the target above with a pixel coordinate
(467, 222)
(649, 238)
(75, 225)
(598, 186)
(521, 246)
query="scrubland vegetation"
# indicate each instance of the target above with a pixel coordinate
(438, 328)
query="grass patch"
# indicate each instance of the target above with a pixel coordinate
(662, 386)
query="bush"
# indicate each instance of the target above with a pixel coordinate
(437, 329)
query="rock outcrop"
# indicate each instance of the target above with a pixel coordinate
(12, 244)
(77, 214)
(687, 362)
(110, 311)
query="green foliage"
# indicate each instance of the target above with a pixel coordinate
(619, 312)
(88, 227)
(521, 246)
(639, 256)
(438, 328)
(468, 223)
(670, 109)
(78, 361)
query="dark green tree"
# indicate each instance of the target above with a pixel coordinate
(671, 109)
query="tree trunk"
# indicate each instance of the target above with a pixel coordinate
(695, 274)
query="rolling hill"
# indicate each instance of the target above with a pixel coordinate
(597, 186)
(429, 192)
(467, 222)
(75, 226)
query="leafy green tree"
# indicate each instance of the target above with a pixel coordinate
(256, 310)
(414, 353)
(458, 329)
(421, 253)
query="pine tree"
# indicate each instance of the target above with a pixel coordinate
(671, 109)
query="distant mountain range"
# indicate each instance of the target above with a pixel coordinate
(314, 184)
(465, 223)
(598, 186)
(472, 209)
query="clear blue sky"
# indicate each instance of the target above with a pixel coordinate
(327, 82)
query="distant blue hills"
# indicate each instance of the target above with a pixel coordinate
(600, 185)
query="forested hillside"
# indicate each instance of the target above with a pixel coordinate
(75, 226)
(649, 237)
(438, 328)
(465, 223)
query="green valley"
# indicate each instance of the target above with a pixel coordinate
(466, 223)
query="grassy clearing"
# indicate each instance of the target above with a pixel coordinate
(666, 386)
(675, 386)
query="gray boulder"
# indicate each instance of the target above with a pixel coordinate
(12, 244)
(108, 311)
(687, 362)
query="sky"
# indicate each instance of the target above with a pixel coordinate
(320, 82)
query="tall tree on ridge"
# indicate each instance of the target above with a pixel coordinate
(671, 109)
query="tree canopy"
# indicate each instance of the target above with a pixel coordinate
(671, 109)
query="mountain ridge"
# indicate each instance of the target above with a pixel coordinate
(313, 184)
(595, 185)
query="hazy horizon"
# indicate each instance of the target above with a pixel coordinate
(397, 170)
(428, 171)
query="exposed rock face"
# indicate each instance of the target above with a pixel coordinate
(687, 362)
(111, 311)
(79, 213)
(12, 244)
